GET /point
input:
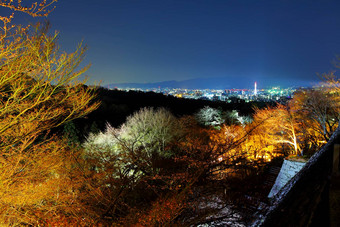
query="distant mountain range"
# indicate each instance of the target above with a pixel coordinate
(209, 83)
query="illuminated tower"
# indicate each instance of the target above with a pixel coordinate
(255, 89)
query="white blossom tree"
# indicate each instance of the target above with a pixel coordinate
(209, 116)
(141, 140)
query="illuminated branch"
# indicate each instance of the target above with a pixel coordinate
(39, 90)
(40, 8)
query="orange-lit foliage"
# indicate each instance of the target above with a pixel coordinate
(37, 187)
(240, 148)
(258, 146)
(136, 201)
(228, 139)
(213, 153)
(305, 123)
(163, 212)
(320, 108)
(280, 125)
(35, 9)
(39, 90)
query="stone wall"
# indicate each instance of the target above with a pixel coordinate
(288, 170)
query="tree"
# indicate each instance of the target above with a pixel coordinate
(281, 126)
(151, 129)
(130, 164)
(321, 105)
(259, 144)
(35, 9)
(39, 90)
(142, 139)
(209, 116)
(233, 117)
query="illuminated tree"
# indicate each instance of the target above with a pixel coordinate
(39, 8)
(209, 116)
(39, 90)
(35, 9)
(151, 129)
(281, 126)
(130, 161)
(140, 142)
(233, 117)
(259, 144)
(322, 105)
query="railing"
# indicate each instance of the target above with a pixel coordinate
(304, 200)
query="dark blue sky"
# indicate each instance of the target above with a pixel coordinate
(280, 42)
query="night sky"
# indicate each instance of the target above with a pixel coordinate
(281, 42)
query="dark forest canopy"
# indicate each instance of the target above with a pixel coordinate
(117, 105)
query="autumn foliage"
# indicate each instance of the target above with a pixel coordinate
(155, 169)
(39, 90)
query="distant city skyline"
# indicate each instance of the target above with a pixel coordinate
(281, 42)
(273, 94)
(213, 83)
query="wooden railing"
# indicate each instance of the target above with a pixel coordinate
(304, 200)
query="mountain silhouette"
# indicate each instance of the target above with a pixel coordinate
(214, 83)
